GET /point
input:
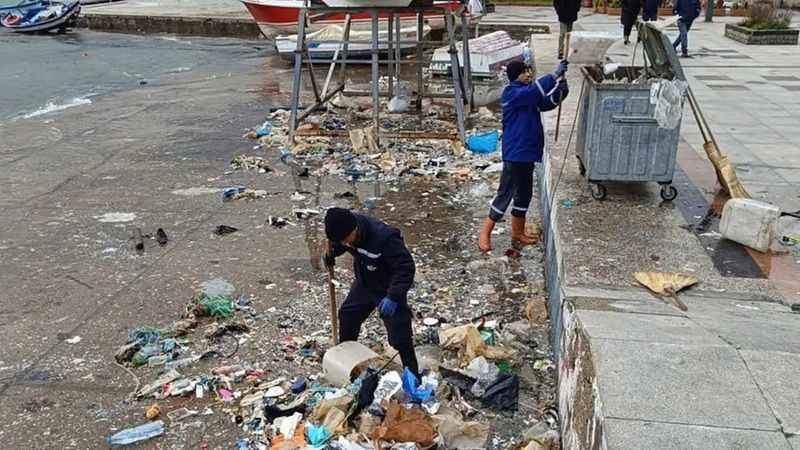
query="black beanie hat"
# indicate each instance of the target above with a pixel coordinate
(514, 69)
(339, 223)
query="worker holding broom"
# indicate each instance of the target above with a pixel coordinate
(384, 272)
(523, 102)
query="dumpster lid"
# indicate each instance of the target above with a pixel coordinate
(661, 55)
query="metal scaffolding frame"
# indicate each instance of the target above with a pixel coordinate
(462, 80)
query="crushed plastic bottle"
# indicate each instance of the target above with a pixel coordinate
(137, 434)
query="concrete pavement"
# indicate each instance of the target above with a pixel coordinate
(638, 373)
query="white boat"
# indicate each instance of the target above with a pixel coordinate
(488, 55)
(286, 45)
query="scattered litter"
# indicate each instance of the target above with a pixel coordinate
(73, 340)
(222, 230)
(153, 412)
(405, 425)
(244, 162)
(137, 434)
(116, 217)
(196, 191)
(278, 222)
(567, 203)
(430, 321)
(456, 434)
(161, 237)
(180, 414)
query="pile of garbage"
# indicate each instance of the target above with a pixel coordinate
(353, 153)
(375, 405)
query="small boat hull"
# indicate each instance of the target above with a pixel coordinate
(64, 16)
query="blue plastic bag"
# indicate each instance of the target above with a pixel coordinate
(317, 435)
(411, 388)
(264, 129)
(483, 143)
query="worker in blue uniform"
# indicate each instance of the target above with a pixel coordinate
(384, 272)
(523, 102)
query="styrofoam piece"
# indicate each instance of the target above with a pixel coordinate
(589, 47)
(749, 222)
(339, 362)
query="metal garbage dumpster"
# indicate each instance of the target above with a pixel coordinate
(619, 138)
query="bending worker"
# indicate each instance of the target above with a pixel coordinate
(384, 271)
(523, 143)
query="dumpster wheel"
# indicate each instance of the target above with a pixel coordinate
(668, 192)
(598, 191)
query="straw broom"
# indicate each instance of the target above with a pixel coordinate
(726, 174)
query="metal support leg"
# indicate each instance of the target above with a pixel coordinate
(345, 49)
(336, 57)
(313, 79)
(376, 100)
(296, 75)
(398, 49)
(420, 85)
(454, 66)
(467, 67)
(389, 42)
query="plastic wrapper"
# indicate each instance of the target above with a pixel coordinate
(389, 384)
(484, 372)
(668, 96)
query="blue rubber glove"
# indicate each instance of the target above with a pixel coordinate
(387, 307)
(561, 69)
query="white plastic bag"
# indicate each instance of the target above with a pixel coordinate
(668, 97)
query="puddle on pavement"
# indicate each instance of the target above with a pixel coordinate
(729, 258)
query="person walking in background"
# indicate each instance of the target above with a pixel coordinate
(567, 11)
(687, 11)
(630, 12)
(650, 10)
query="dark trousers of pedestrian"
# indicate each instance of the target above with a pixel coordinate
(649, 16)
(564, 28)
(684, 25)
(516, 185)
(357, 307)
(626, 30)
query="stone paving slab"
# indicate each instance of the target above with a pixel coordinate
(698, 385)
(646, 328)
(748, 328)
(777, 375)
(638, 435)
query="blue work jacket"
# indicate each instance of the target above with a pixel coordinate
(523, 135)
(381, 260)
